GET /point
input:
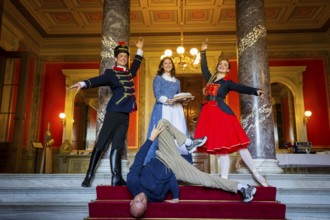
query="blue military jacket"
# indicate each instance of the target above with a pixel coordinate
(154, 178)
(122, 86)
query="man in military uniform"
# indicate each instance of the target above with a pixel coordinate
(116, 120)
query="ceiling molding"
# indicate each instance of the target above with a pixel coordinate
(72, 18)
(72, 27)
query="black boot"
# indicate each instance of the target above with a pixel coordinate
(96, 154)
(115, 166)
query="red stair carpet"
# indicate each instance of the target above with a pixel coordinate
(196, 202)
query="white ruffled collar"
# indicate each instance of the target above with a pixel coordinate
(168, 78)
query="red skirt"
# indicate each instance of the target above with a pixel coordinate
(224, 133)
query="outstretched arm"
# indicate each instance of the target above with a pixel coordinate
(244, 89)
(260, 93)
(174, 187)
(133, 176)
(78, 86)
(205, 69)
(204, 44)
(142, 153)
(139, 43)
(138, 57)
(156, 131)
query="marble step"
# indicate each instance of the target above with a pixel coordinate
(289, 181)
(44, 211)
(60, 196)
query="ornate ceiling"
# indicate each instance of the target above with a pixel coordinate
(74, 26)
(54, 18)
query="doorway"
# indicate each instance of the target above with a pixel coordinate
(285, 132)
(193, 84)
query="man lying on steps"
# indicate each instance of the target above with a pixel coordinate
(151, 182)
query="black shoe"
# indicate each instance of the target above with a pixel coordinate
(248, 193)
(115, 167)
(86, 183)
(196, 143)
(118, 181)
(95, 157)
(88, 179)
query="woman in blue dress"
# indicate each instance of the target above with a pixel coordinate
(165, 87)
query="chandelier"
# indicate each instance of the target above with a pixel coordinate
(192, 62)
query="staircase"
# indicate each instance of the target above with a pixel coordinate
(112, 202)
(60, 196)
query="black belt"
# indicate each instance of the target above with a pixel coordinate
(214, 98)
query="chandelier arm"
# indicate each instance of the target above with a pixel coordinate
(181, 23)
(181, 60)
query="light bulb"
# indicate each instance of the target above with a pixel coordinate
(62, 115)
(308, 114)
(168, 53)
(193, 51)
(180, 50)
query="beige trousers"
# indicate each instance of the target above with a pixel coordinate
(182, 169)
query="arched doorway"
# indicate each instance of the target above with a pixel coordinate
(287, 81)
(284, 115)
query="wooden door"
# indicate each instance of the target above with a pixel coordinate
(194, 84)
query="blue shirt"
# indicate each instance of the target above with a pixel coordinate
(154, 178)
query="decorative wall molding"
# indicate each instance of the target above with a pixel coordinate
(292, 77)
(72, 76)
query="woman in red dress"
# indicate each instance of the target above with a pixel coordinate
(217, 121)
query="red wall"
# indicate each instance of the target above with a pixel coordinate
(133, 120)
(233, 97)
(53, 97)
(53, 101)
(315, 96)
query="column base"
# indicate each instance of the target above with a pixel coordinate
(263, 166)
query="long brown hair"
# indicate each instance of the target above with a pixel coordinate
(216, 70)
(161, 68)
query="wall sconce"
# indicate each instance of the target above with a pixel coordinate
(62, 117)
(308, 115)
